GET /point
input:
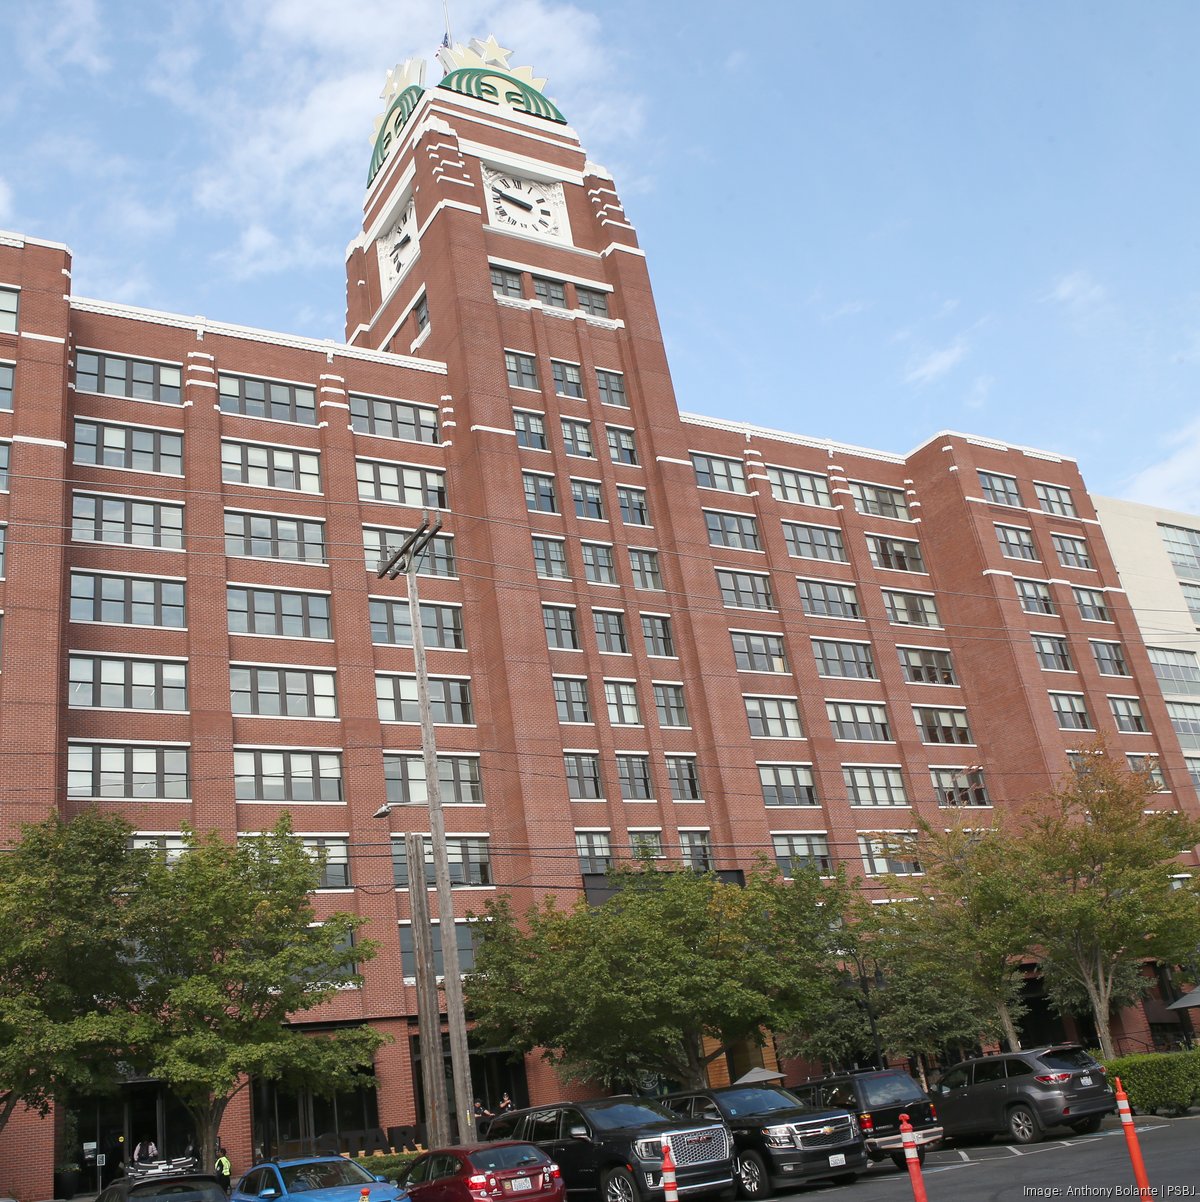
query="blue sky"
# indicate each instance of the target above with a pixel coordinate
(867, 220)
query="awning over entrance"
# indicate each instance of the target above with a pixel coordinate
(1187, 1001)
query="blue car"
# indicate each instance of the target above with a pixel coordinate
(314, 1179)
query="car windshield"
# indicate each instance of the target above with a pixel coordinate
(179, 1191)
(760, 1100)
(508, 1156)
(1067, 1058)
(626, 1113)
(888, 1089)
(323, 1174)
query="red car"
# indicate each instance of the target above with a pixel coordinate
(484, 1173)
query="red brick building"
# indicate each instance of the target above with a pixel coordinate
(644, 627)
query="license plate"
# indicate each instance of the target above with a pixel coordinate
(519, 1183)
(1085, 1080)
(838, 1158)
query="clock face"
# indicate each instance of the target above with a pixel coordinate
(525, 206)
(398, 247)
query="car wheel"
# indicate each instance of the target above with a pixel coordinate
(619, 1186)
(1089, 1125)
(1023, 1125)
(752, 1175)
(900, 1160)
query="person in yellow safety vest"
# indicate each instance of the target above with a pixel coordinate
(223, 1167)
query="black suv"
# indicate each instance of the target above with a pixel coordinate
(778, 1139)
(612, 1148)
(1020, 1094)
(879, 1097)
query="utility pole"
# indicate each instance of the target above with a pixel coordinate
(405, 560)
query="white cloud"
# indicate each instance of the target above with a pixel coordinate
(52, 37)
(1174, 481)
(935, 366)
(1079, 294)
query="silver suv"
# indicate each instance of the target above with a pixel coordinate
(1021, 1094)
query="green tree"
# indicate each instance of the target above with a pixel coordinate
(64, 976)
(663, 978)
(228, 948)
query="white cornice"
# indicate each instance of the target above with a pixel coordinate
(12, 238)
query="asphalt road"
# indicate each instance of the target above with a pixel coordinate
(1081, 1167)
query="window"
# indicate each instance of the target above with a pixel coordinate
(1072, 551)
(620, 697)
(539, 493)
(611, 386)
(465, 937)
(695, 849)
(110, 682)
(926, 665)
(959, 787)
(113, 375)
(400, 484)
(595, 851)
(436, 560)
(333, 854)
(1092, 604)
(668, 701)
(1071, 711)
(7, 374)
(164, 847)
(684, 778)
(656, 631)
(505, 282)
(712, 471)
(5, 451)
(910, 609)
(610, 631)
(745, 590)
(621, 446)
(459, 780)
(814, 542)
(633, 506)
(531, 430)
(1127, 713)
(275, 612)
(282, 692)
(874, 785)
(859, 721)
(441, 625)
(469, 860)
(1016, 542)
(1054, 499)
(881, 854)
(394, 419)
(126, 600)
(268, 398)
(804, 488)
(550, 558)
(587, 499)
(550, 292)
(270, 467)
(895, 554)
(773, 717)
(827, 599)
(756, 652)
(787, 784)
(1185, 721)
(838, 658)
(1000, 490)
(794, 851)
(1035, 597)
(1148, 765)
(583, 775)
(1053, 653)
(559, 621)
(646, 843)
(1110, 658)
(421, 312)
(591, 300)
(9, 298)
(1191, 597)
(643, 565)
(942, 725)
(125, 771)
(732, 530)
(571, 699)
(109, 445)
(264, 536)
(879, 501)
(567, 379)
(633, 771)
(521, 369)
(1177, 671)
(598, 564)
(449, 699)
(577, 438)
(126, 520)
(1183, 549)
(275, 774)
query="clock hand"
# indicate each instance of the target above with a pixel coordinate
(516, 200)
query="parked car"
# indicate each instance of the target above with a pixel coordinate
(1021, 1094)
(482, 1173)
(878, 1097)
(315, 1179)
(778, 1139)
(177, 1187)
(612, 1148)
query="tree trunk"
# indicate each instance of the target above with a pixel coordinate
(208, 1124)
(1098, 996)
(1010, 1029)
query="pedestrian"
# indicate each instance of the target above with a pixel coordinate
(223, 1167)
(506, 1103)
(145, 1152)
(481, 1112)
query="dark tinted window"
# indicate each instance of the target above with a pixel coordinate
(180, 1190)
(324, 1174)
(444, 1165)
(569, 1118)
(989, 1070)
(510, 1156)
(543, 1125)
(418, 1171)
(1018, 1068)
(956, 1078)
(610, 1115)
(1069, 1059)
(756, 1101)
(252, 1182)
(838, 1093)
(505, 1127)
(888, 1089)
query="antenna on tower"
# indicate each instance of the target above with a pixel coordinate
(447, 41)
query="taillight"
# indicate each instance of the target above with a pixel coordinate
(555, 1172)
(1052, 1078)
(932, 1113)
(477, 1181)
(866, 1122)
